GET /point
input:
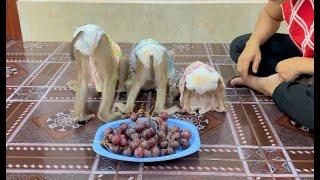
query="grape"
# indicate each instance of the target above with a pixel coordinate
(174, 144)
(135, 136)
(117, 131)
(108, 131)
(175, 129)
(139, 127)
(152, 132)
(130, 131)
(164, 116)
(140, 120)
(134, 116)
(147, 137)
(175, 136)
(163, 126)
(109, 137)
(153, 141)
(163, 152)
(114, 148)
(123, 142)
(184, 143)
(164, 144)
(135, 144)
(127, 152)
(161, 134)
(170, 150)
(154, 124)
(146, 134)
(147, 153)
(123, 136)
(186, 134)
(145, 145)
(123, 126)
(147, 124)
(143, 139)
(138, 153)
(155, 151)
(160, 120)
(169, 135)
(116, 139)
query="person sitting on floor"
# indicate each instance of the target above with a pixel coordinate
(277, 60)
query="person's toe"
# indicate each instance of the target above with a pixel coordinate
(237, 81)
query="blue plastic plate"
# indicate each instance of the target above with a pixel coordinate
(194, 142)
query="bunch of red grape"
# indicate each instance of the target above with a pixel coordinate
(147, 137)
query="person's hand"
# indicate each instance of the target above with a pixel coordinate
(251, 53)
(289, 69)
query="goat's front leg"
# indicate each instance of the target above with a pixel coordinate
(161, 95)
(161, 98)
(123, 73)
(161, 80)
(203, 103)
(108, 93)
(220, 96)
(186, 102)
(81, 97)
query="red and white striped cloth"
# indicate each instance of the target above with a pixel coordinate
(299, 16)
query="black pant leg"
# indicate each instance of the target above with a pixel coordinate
(237, 46)
(297, 101)
(277, 48)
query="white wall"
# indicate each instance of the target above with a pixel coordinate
(178, 21)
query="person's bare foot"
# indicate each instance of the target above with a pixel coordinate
(265, 85)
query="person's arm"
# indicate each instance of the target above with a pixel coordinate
(268, 23)
(306, 66)
(290, 69)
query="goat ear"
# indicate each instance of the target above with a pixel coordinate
(73, 42)
(104, 38)
(105, 45)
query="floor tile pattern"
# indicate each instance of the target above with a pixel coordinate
(250, 141)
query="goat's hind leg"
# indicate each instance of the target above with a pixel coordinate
(138, 81)
(220, 96)
(73, 85)
(161, 79)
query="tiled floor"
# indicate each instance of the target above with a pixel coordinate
(248, 142)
